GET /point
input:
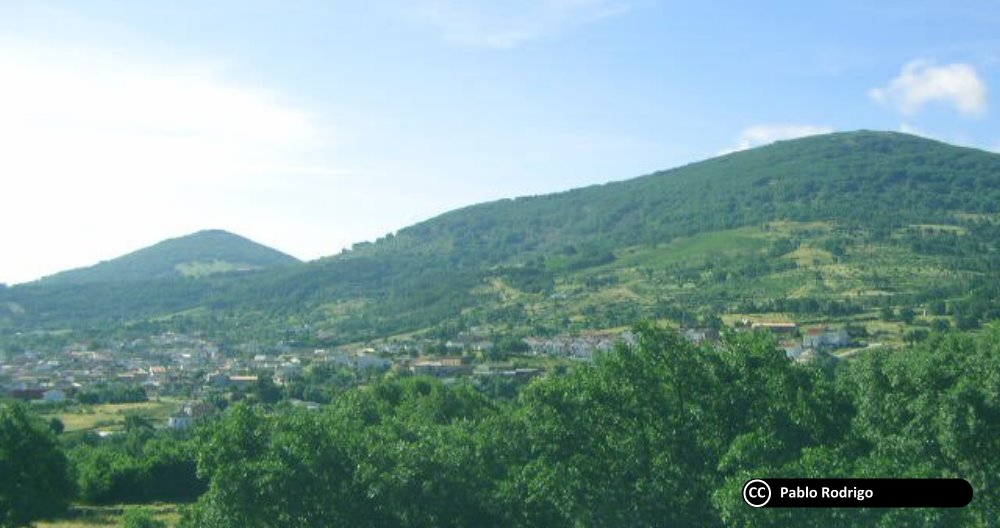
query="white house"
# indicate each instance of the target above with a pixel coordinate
(823, 336)
(180, 421)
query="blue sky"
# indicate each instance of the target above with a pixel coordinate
(311, 125)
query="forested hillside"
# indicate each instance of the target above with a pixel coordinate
(841, 225)
(870, 180)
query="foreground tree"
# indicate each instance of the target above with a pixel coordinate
(662, 433)
(34, 481)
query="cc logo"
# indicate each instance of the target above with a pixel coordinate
(756, 493)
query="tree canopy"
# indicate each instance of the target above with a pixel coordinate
(34, 474)
(660, 434)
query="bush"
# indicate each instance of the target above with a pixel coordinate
(141, 518)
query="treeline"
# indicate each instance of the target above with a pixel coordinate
(804, 305)
(113, 393)
(664, 434)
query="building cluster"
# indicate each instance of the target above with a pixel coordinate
(173, 364)
(159, 364)
(804, 344)
(581, 348)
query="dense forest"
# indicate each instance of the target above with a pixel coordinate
(662, 433)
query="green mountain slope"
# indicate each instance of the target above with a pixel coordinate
(820, 226)
(199, 254)
(836, 226)
(864, 178)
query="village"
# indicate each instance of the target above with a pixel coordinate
(193, 370)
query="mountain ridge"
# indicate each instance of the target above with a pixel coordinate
(833, 225)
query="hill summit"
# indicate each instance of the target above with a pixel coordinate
(199, 254)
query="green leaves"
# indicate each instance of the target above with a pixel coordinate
(141, 518)
(660, 434)
(34, 478)
(138, 467)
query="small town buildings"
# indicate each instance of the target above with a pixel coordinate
(519, 374)
(822, 336)
(442, 366)
(243, 381)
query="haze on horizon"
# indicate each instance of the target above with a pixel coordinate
(310, 128)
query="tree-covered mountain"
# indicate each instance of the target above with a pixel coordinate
(864, 179)
(839, 225)
(198, 254)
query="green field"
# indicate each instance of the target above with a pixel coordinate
(109, 516)
(111, 416)
(697, 249)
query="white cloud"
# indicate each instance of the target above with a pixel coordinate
(758, 135)
(104, 153)
(921, 82)
(907, 128)
(509, 23)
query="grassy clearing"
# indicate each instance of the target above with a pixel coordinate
(976, 217)
(807, 256)
(202, 269)
(770, 317)
(790, 227)
(193, 312)
(958, 230)
(504, 290)
(111, 416)
(698, 248)
(342, 309)
(109, 516)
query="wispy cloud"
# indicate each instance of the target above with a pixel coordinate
(88, 106)
(758, 135)
(922, 81)
(508, 23)
(96, 142)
